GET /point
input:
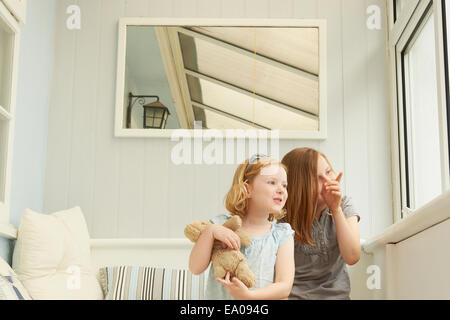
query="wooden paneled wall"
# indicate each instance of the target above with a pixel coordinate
(130, 188)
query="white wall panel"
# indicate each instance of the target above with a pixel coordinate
(307, 9)
(378, 135)
(281, 8)
(105, 209)
(31, 111)
(184, 9)
(418, 267)
(333, 146)
(256, 9)
(209, 8)
(56, 191)
(160, 8)
(355, 61)
(233, 9)
(82, 115)
(181, 198)
(156, 189)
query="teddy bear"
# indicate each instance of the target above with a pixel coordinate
(227, 259)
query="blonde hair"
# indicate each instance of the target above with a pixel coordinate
(236, 200)
(303, 184)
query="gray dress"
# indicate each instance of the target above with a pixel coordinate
(320, 271)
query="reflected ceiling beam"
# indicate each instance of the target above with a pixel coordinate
(163, 38)
(228, 115)
(252, 95)
(179, 65)
(272, 62)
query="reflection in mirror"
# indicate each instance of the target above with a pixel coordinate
(226, 77)
(145, 78)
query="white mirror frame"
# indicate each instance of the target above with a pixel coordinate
(119, 131)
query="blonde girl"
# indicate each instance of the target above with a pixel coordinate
(258, 194)
(325, 224)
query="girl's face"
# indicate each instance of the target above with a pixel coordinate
(324, 173)
(268, 190)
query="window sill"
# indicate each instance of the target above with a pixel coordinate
(423, 218)
(8, 231)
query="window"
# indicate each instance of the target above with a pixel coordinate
(9, 44)
(420, 136)
(446, 34)
(422, 151)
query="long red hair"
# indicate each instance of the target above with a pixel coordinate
(303, 184)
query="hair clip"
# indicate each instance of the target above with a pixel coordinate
(254, 158)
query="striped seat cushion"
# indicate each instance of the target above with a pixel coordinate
(11, 288)
(148, 283)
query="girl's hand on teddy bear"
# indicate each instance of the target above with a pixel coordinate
(228, 237)
(235, 287)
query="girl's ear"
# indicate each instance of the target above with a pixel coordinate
(248, 189)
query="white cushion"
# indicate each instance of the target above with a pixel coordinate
(52, 256)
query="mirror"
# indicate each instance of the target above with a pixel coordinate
(229, 75)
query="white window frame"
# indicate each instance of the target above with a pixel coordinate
(119, 131)
(6, 229)
(400, 32)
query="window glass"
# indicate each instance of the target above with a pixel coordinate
(422, 120)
